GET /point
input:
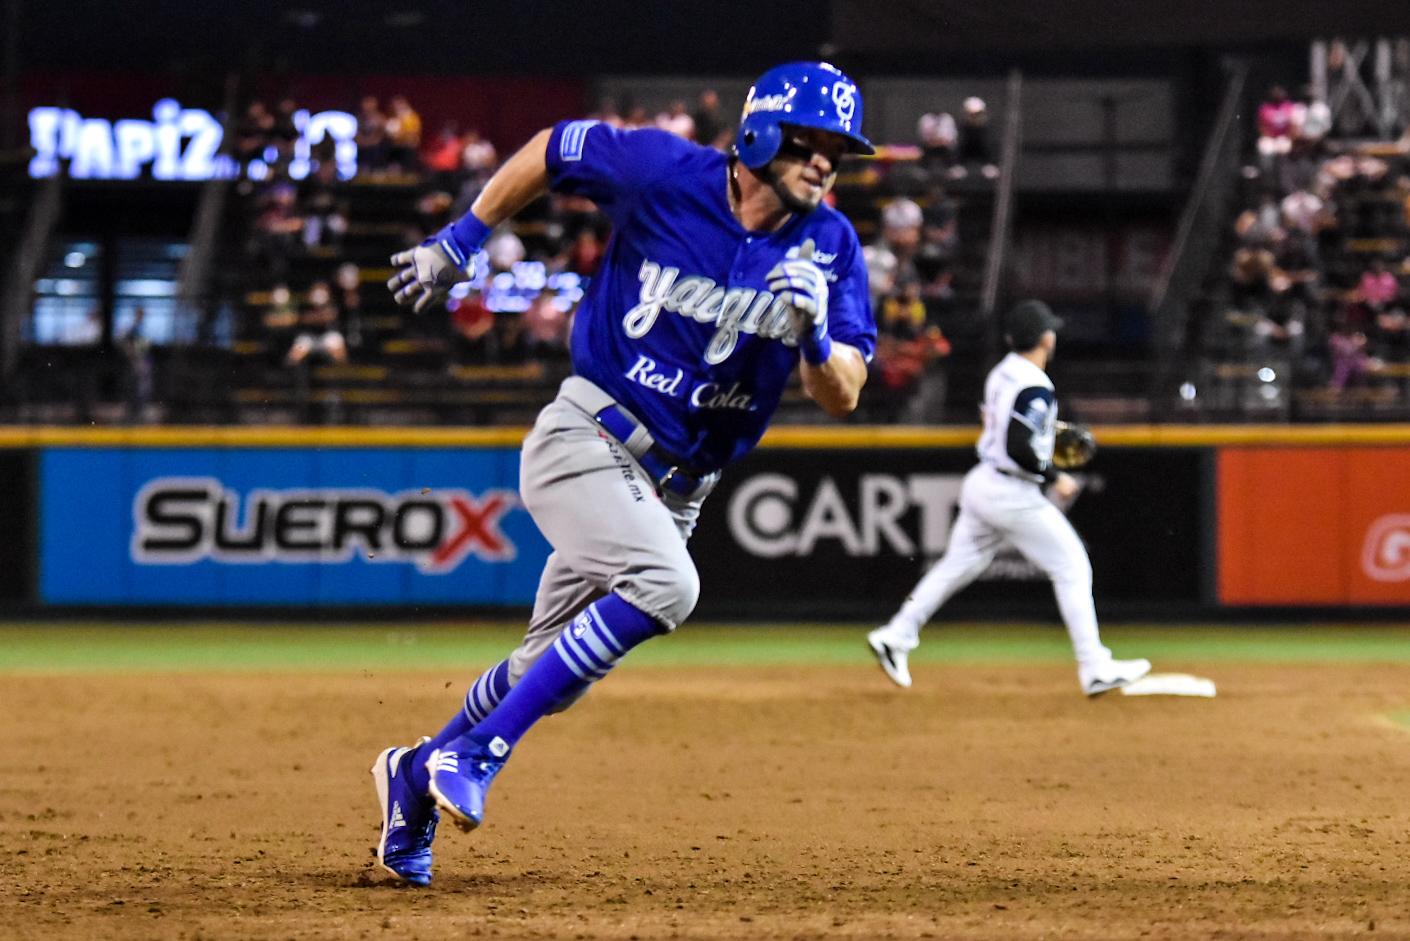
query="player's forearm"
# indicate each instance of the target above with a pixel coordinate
(836, 383)
(522, 179)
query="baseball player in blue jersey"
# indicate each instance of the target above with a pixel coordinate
(723, 273)
(1002, 501)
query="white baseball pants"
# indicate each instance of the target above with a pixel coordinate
(996, 508)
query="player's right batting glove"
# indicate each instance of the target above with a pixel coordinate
(802, 285)
(425, 274)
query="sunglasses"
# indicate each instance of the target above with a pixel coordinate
(801, 150)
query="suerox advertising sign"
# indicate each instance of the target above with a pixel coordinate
(1319, 526)
(285, 527)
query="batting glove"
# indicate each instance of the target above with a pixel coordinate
(802, 285)
(426, 274)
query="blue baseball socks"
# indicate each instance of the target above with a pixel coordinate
(584, 653)
(481, 699)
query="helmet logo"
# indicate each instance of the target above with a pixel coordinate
(780, 102)
(844, 96)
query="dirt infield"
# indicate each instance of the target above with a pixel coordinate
(988, 802)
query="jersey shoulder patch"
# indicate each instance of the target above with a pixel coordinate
(1034, 407)
(571, 141)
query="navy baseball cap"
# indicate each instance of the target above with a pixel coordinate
(1027, 322)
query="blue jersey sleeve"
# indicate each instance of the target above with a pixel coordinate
(610, 166)
(849, 316)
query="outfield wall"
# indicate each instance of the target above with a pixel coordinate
(817, 523)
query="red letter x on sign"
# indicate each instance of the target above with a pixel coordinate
(479, 532)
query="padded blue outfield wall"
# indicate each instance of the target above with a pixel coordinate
(284, 526)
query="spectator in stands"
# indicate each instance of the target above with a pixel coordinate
(881, 271)
(1351, 364)
(477, 155)
(444, 154)
(1261, 225)
(279, 320)
(636, 118)
(677, 120)
(939, 138)
(136, 351)
(1280, 328)
(505, 250)
(1275, 126)
(1349, 169)
(433, 210)
(277, 229)
(403, 136)
(903, 312)
(901, 225)
(347, 297)
(711, 127)
(975, 150)
(472, 329)
(1302, 211)
(1378, 288)
(324, 211)
(371, 136)
(1252, 267)
(1311, 120)
(905, 347)
(319, 331)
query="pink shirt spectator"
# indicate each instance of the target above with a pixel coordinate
(1378, 288)
(1275, 119)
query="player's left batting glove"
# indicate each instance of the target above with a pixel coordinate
(426, 273)
(801, 284)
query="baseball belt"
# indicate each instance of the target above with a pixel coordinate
(669, 472)
(1017, 475)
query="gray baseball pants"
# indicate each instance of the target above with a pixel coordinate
(610, 529)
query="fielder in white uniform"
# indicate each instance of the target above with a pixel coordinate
(1002, 500)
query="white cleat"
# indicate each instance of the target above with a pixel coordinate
(891, 656)
(1111, 674)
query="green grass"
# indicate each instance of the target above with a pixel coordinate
(105, 647)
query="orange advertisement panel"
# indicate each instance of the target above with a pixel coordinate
(1323, 526)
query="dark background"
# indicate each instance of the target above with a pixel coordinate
(551, 37)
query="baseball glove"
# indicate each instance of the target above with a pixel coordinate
(1073, 445)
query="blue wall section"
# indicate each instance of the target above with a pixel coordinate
(95, 519)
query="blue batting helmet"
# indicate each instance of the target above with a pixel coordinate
(800, 94)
